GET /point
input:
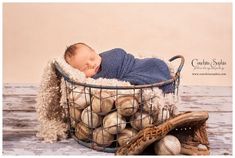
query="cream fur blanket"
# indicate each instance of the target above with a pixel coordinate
(51, 99)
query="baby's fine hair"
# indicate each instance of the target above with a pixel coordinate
(70, 50)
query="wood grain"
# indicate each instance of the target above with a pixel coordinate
(20, 123)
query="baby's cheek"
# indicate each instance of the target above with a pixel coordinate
(93, 72)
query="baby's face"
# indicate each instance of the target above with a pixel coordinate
(86, 60)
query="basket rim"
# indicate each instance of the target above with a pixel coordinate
(158, 84)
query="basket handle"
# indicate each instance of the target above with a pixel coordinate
(181, 63)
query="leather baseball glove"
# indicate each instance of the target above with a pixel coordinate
(188, 127)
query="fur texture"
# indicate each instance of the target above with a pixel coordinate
(51, 98)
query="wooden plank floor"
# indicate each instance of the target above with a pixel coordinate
(20, 124)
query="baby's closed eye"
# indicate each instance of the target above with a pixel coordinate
(87, 67)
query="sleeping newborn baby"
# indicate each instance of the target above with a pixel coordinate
(117, 64)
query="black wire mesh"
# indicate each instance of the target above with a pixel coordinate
(105, 117)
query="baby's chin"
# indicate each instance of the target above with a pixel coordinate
(90, 75)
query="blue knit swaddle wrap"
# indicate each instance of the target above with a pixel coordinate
(118, 64)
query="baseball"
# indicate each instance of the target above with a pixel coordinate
(102, 137)
(153, 105)
(169, 145)
(80, 98)
(114, 123)
(125, 135)
(163, 115)
(140, 121)
(102, 103)
(82, 132)
(126, 105)
(75, 113)
(153, 100)
(90, 118)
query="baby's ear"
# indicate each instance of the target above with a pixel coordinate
(72, 73)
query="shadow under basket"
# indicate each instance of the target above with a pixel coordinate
(105, 117)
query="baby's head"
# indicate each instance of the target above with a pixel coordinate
(84, 58)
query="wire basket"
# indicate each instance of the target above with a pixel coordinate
(105, 117)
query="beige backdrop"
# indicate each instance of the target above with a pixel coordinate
(35, 33)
